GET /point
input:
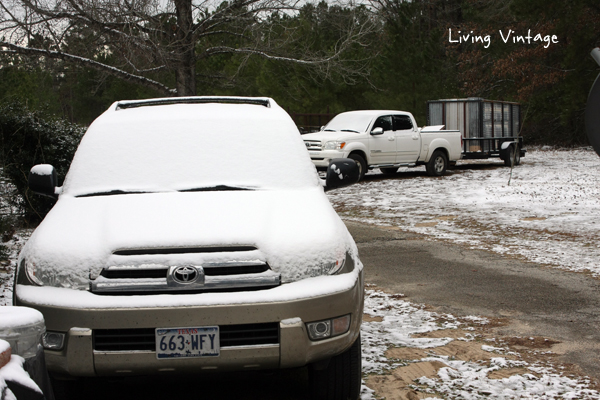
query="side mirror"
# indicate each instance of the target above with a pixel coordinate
(340, 173)
(43, 180)
(377, 131)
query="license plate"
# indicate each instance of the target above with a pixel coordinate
(187, 342)
(313, 153)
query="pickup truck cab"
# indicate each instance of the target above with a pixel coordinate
(383, 139)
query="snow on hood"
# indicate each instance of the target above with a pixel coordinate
(293, 230)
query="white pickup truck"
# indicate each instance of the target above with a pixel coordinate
(384, 140)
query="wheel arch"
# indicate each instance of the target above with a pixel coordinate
(360, 152)
(433, 149)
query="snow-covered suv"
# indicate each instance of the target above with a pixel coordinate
(194, 234)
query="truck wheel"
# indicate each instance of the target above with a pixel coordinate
(389, 171)
(362, 165)
(437, 165)
(341, 379)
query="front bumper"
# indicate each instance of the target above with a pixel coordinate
(79, 356)
(321, 159)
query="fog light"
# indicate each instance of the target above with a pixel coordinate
(53, 340)
(319, 330)
(328, 328)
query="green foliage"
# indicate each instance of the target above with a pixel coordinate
(30, 138)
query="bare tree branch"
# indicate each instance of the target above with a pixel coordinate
(32, 52)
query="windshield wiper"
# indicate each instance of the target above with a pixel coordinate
(218, 188)
(328, 130)
(349, 130)
(109, 193)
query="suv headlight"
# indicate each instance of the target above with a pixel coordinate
(334, 145)
(31, 273)
(330, 268)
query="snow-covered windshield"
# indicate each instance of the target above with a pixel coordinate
(190, 147)
(349, 122)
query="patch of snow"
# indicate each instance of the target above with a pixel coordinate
(549, 214)
(14, 372)
(17, 317)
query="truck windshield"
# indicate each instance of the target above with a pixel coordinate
(349, 122)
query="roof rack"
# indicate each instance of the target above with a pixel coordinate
(194, 100)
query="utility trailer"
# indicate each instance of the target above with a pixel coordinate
(489, 128)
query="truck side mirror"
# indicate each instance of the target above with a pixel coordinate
(340, 173)
(43, 180)
(377, 131)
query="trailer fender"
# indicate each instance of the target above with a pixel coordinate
(505, 149)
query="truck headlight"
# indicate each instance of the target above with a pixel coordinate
(334, 145)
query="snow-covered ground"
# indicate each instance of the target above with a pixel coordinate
(404, 358)
(549, 213)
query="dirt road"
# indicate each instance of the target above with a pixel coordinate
(529, 299)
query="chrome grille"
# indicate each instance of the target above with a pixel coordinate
(156, 278)
(313, 145)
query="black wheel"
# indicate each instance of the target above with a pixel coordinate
(518, 157)
(513, 157)
(362, 165)
(438, 164)
(341, 379)
(389, 171)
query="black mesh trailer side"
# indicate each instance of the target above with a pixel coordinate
(485, 125)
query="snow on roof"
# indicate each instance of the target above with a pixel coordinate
(375, 113)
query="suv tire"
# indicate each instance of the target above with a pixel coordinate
(340, 379)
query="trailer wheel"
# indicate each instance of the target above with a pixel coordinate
(512, 156)
(438, 164)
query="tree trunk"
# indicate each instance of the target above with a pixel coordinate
(185, 71)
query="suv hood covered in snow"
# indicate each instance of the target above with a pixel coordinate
(294, 231)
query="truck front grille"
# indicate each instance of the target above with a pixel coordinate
(155, 279)
(143, 339)
(313, 145)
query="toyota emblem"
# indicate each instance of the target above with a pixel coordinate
(185, 274)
